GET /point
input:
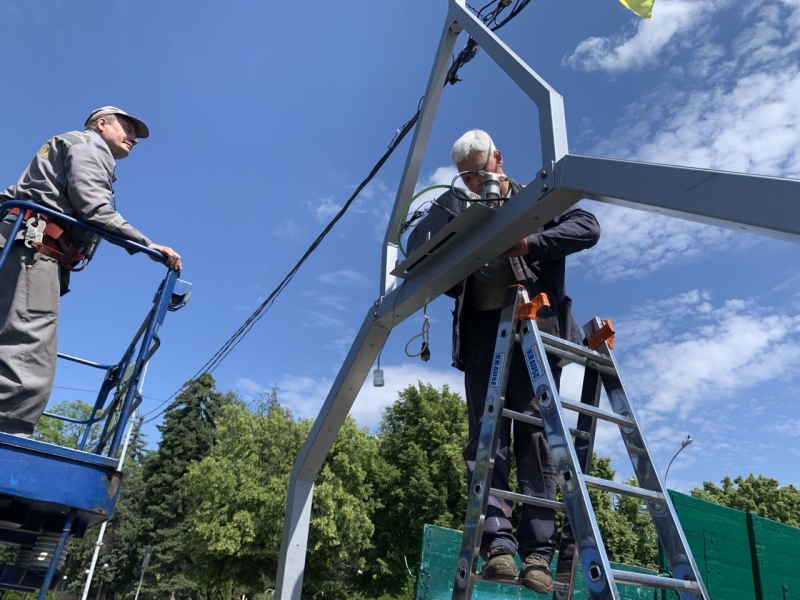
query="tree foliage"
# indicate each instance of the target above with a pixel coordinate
(761, 495)
(421, 478)
(65, 433)
(188, 433)
(628, 533)
(237, 496)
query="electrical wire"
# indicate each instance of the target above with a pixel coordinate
(402, 226)
(74, 389)
(467, 54)
(245, 328)
(426, 325)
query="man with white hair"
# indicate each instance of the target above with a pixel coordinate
(72, 173)
(538, 263)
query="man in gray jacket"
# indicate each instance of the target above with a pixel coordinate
(73, 174)
(538, 263)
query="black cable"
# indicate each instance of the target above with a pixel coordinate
(237, 337)
(466, 54)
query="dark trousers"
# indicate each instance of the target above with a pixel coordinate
(536, 473)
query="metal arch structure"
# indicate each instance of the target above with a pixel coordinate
(767, 206)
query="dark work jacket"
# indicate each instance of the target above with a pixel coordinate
(541, 270)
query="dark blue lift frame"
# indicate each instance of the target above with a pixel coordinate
(47, 489)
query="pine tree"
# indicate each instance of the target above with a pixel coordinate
(187, 435)
(114, 567)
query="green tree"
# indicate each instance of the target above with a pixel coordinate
(187, 436)
(118, 560)
(64, 433)
(237, 498)
(628, 533)
(421, 478)
(758, 494)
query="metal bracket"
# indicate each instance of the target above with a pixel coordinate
(34, 234)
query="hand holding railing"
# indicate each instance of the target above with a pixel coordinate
(162, 254)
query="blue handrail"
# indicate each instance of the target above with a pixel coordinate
(129, 370)
(62, 218)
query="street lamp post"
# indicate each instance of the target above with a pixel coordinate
(684, 443)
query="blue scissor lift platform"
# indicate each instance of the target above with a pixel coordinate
(50, 494)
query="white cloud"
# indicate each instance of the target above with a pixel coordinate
(328, 300)
(734, 109)
(441, 176)
(326, 208)
(375, 198)
(305, 395)
(371, 401)
(341, 344)
(249, 387)
(288, 230)
(728, 108)
(751, 127)
(347, 278)
(728, 350)
(790, 428)
(635, 243)
(674, 21)
(316, 319)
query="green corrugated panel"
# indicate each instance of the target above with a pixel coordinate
(440, 548)
(741, 556)
(775, 558)
(720, 543)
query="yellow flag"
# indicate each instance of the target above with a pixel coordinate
(643, 8)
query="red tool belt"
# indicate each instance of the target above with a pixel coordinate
(49, 239)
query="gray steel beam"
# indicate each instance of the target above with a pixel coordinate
(552, 120)
(768, 206)
(294, 539)
(516, 218)
(416, 151)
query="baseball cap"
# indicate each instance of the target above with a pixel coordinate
(142, 130)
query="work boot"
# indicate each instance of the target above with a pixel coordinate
(499, 565)
(536, 575)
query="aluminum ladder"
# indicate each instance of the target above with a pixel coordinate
(580, 534)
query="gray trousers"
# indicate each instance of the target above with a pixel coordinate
(536, 472)
(29, 301)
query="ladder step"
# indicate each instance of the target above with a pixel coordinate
(579, 354)
(527, 499)
(558, 586)
(531, 420)
(606, 415)
(654, 581)
(621, 488)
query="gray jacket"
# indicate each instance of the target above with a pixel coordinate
(73, 173)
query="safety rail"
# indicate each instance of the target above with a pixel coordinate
(126, 375)
(55, 492)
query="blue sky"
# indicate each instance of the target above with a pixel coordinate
(264, 120)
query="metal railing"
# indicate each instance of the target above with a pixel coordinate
(123, 380)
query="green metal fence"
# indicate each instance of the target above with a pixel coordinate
(741, 556)
(438, 569)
